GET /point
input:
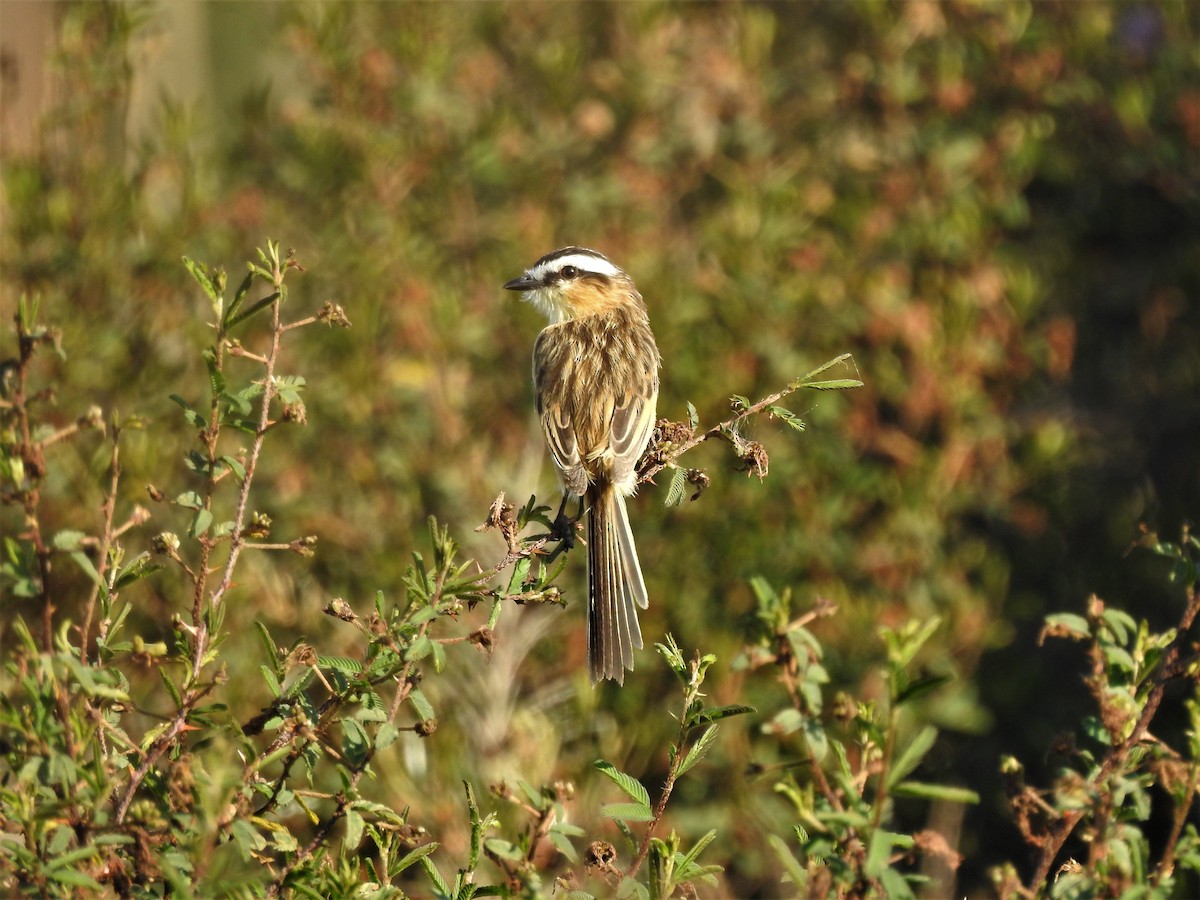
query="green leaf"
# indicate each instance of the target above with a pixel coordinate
(421, 705)
(238, 298)
(216, 378)
(272, 682)
(563, 844)
(693, 417)
(355, 741)
(923, 791)
(200, 522)
(1070, 622)
(439, 883)
(68, 539)
(416, 856)
(784, 722)
(189, 500)
(176, 697)
(193, 418)
(630, 785)
(836, 384)
(628, 812)
(880, 850)
(676, 487)
(504, 849)
(139, 567)
(699, 748)
(690, 857)
(922, 685)
(787, 859)
(253, 308)
(807, 381)
(716, 713)
(76, 879)
(386, 735)
(354, 829)
(343, 664)
(211, 283)
(911, 756)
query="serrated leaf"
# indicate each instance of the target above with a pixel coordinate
(268, 643)
(416, 856)
(676, 488)
(343, 664)
(386, 735)
(804, 380)
(255, 307)
(422, 706)
(630, 785)
(686, 866)
(698, 749)
(200, 522)
(439, 883)
(836, 384)
(716, 713)
(272, 682)
(137, 568)
(207, 281)
(176, 697)
(628, 812)
(238, 298)
(216, 378)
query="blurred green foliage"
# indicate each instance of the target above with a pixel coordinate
(995, 207)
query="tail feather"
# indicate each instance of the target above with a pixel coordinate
(615, 588)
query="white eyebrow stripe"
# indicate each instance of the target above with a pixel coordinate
(584, 262)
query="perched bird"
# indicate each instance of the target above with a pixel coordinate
(595, 373)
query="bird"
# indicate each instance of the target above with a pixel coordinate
(595, 377)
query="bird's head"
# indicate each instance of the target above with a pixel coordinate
(574, 282)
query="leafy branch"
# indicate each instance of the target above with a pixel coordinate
(1131, 671)
(669, 866)
(673, 439)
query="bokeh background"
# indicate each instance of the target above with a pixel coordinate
(995, 207)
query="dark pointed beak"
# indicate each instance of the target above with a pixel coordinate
(524, 283)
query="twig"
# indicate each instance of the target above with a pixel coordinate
(728, 428)
(107, 535)
(1061, 831)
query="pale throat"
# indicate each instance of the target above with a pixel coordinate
(551, 302)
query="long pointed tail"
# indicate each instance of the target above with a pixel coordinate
(615, 587)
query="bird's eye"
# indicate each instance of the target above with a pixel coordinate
(569, 272)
